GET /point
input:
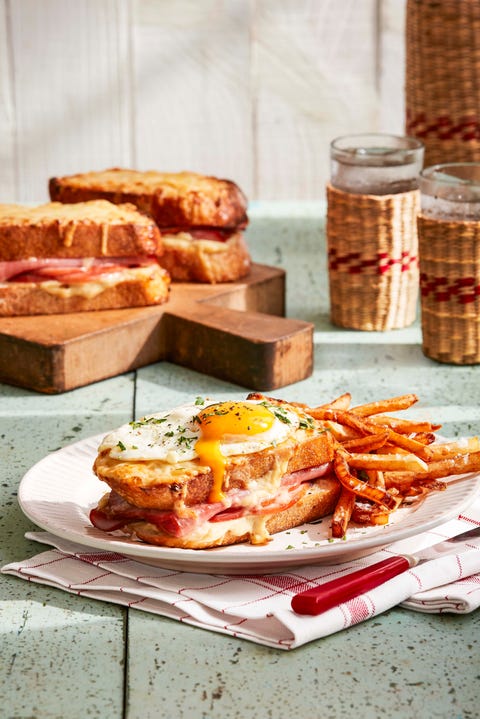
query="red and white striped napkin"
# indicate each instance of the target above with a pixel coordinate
(257, 607)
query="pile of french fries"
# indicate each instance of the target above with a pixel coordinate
(383, 462)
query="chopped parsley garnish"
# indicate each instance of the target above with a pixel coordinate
(147, 420)
(306, 423)
(169, 434)
(200, 400)
(121, 446)
(187, 441)
(279, 412)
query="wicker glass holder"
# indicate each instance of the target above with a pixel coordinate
(443, 78)
(372, 259)
(450, 289)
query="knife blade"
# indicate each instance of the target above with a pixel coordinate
(319, 599)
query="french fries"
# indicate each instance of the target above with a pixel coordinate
(343, 512)
(383, 461)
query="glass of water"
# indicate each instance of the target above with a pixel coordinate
(449, 257)
(375, 164)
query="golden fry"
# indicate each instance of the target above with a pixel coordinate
(367, 443)
(411, 445)
(375, 477)
(425, 437)
(404, 426)
(339, 431)
(386, 405)
(363, 489)
(452, 449)
(382, 461)
(343, 512)
(460, 464)
(343, 417)
(342, 402)
(388, 462)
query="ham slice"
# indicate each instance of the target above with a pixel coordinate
(66, 270)
(117, 512)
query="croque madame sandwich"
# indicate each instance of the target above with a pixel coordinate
(211, 474)
(57, 258)
(201, 218)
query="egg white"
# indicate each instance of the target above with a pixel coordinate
(171, 436)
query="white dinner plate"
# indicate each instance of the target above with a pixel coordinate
(58, 493)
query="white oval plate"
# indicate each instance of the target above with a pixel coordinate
(58, 493)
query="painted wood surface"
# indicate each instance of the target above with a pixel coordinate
(252, 90)
(69, 656)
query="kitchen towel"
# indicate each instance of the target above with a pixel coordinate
(257, 607)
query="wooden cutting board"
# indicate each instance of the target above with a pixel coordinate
(235, 332)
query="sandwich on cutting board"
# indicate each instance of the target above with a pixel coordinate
(215, 473)
(58, 258)
(201, 218)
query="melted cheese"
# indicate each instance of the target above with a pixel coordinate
(68, 234)
(185, 240)
(94, 287)
(104, 246)
(254, 526)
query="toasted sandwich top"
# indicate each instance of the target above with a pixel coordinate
(198, 451)
(175, 199)
(87, 229)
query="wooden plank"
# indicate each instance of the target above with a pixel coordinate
(192, 88)
(314, 78)
(391, 66)
(228, 331)
(8, 184)
(252, 91)
(71, 89)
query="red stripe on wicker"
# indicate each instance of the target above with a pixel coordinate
(354, 263)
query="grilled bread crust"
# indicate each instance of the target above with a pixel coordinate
(143, 485)
(205, 260)
(318, 501)
(89, 229)
(137, 287)
(174, 199)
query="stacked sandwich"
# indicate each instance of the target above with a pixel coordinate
(210, 474)
(59, 258)
(201, 218)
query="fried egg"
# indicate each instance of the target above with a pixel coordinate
(209, 432)
(204, 430)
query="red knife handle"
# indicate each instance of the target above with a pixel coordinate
(318, 599)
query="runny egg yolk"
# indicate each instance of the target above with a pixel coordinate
(232, 420)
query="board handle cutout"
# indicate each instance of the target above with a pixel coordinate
(262, 352)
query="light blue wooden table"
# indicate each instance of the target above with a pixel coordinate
(66, 657)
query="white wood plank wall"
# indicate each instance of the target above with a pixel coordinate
(252, 90)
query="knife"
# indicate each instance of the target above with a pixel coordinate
(318, 599)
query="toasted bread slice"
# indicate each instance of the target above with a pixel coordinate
(128, 287)
(174, 199)
(89, 229)
(159, 485)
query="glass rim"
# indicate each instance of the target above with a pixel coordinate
(436, 181)
(376, 149)
(436, 173)
(405, 142)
